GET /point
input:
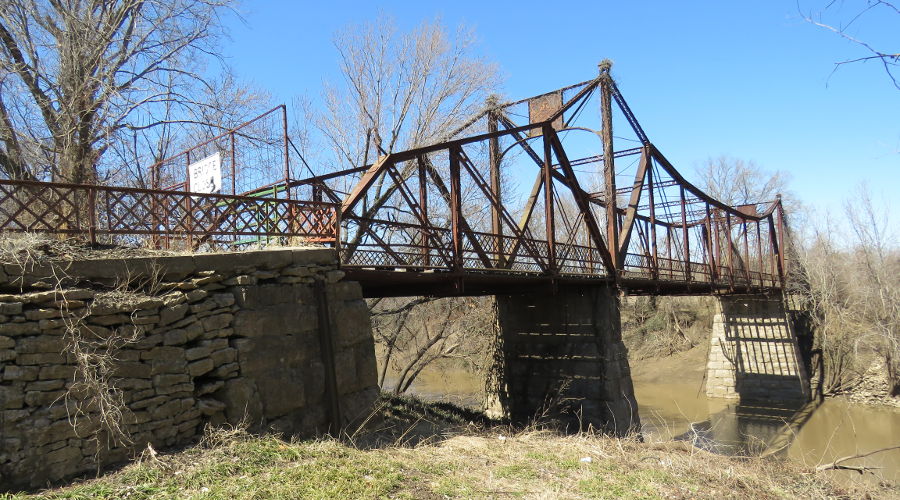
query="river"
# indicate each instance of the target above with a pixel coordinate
(675, 409)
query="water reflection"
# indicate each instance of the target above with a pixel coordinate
(748, 430)
(812, 434)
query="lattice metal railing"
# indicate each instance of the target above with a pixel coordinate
(162, 219)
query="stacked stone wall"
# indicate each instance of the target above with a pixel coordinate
(174, 343)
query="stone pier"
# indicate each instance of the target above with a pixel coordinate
(754, 353)
(563, 356)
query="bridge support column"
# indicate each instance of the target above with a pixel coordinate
(754, 353)
(562, 356)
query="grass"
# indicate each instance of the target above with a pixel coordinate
(460, 459)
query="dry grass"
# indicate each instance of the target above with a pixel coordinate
(28, 249)
(462, 459)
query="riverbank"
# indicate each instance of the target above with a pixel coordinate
(463, 457)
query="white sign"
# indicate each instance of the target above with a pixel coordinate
(206, 174)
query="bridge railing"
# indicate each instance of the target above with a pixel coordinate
(162, 219)
(638, 266)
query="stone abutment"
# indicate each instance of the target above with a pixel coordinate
(99, 358)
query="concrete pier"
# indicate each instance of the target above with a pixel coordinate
(754, 353)
(563, 356)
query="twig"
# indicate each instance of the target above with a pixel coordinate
(836, 465)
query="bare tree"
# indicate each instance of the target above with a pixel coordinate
(735, 182)
(399, 91)
(854, 291)
(846, 28)
(75, 74)
(414, 333)
(222, 103)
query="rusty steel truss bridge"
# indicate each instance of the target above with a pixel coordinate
(531, 194)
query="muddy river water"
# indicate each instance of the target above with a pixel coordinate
(812, 434)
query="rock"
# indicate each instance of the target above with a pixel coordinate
(172, 314)
(206, 305)
(170, 379)
(131, 369)
(168, 365)
(111, 319)
(210, 387)
(223, 356)
(210, 407)
(241, 402)
(196, 295)
(334, 276)
(37, 314)
(164, 352)
(200, 367)
(217, 322)
(226, 370)
(11, 397)
(52, 324)
(43, 343)
(44, 385)
(11, 308)
(6, 342)
(174, 337)
(240, 280)
(65, 372)
(16, 329)
(41, 398)
(20, 373)
(196, 353)
(223, 299)
(145, 320)
(43, 358)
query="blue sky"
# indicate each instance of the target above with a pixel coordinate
(751, 80)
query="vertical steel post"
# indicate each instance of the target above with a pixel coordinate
(654, 266)
(759, 254)
(782, 268)
(710, 236)
(187, 171)
(233, 166)
(423, 202)
(494, 151)
(747, 260)
(609, 169)
(669, 256)
(549, 221)
(776, 250)
(687, 244)
(455, 209)
(730, 249)
(187, 201)
(287, 158)
(92, 214)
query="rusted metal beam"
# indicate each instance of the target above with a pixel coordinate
(361, 189)
(583, 203)
(609, 169)
(549, 216)
(494, 160)
(631, 211)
